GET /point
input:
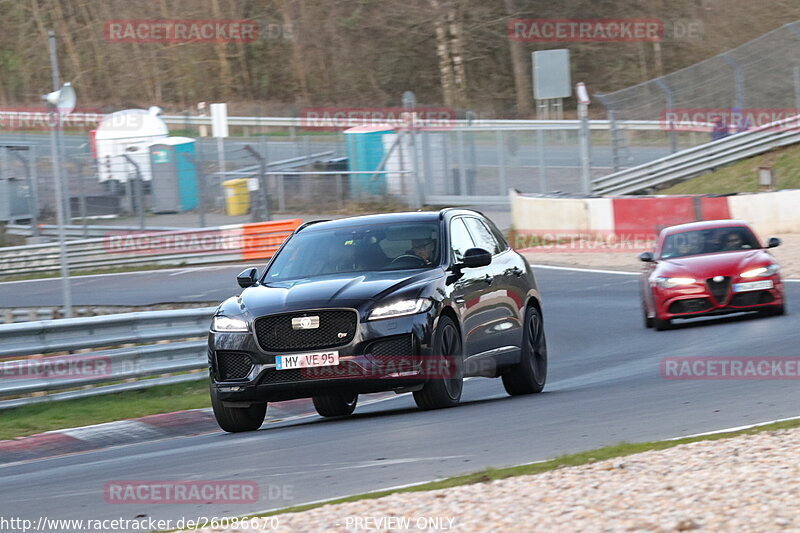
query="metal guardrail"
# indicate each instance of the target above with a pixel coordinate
(239, 242)
(471, 125)
(690, 163)
(113, 348)
(78, 231)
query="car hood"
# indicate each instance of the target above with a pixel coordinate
(346, 290)
(710, 265)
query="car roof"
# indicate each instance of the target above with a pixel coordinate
(704, 224)
(388, 218)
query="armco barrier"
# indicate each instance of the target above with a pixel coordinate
(128, 346)
(238, 242)
(692, 162)
(768, 213)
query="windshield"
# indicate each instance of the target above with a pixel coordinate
(389, 246)
(708, 241)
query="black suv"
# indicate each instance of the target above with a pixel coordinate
(407, 302)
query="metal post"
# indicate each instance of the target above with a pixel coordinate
(221, 162)
(501, 162)
(262, 184)
(34, 177)
(542, 162)
(673, 140)
(462, 178)
(739, 79)
(418, 198)
(202, 186)
(138, 190)
(797, 89)
(81, 196)
(586, 165)
(66, 289)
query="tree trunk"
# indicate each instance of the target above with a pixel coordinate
(520, 64)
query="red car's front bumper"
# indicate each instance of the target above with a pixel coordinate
(699, 299)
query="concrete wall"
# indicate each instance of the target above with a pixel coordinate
(769, 213)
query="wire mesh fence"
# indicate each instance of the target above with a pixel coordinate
(762, 73)
(312, 173)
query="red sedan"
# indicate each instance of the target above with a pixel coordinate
(709, 268)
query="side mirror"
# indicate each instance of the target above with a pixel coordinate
(247, 278)
(773, 242)
(646, 257)
(476, 257)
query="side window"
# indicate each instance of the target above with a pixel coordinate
(481, 235)
(498, 236)
(460, 241)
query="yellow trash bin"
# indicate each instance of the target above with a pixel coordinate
(237, 197)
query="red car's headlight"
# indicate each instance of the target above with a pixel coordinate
(669, 283)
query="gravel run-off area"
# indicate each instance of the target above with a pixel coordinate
(740, 484)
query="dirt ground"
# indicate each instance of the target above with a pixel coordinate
(787, 255)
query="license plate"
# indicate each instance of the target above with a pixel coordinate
(306, 360)
(752, 286)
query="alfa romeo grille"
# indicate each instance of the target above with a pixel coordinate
(719, 289)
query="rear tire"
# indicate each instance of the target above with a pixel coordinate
(443, 392)
(530, 374)
(341, 404)
(237, 419)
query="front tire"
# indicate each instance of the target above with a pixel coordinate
(330, 405)
(660, 324)
(237, 419)
(530, 374)
(648, 320)
(445, 391)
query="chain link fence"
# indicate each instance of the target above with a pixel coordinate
(762, 73)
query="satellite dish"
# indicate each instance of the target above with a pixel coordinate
(63, 99)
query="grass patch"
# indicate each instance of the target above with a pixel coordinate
(742, 176)
(48, 416)
(576, 459)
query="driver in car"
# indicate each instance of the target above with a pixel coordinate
(422, 248)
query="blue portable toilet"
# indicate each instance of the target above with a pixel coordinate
(174, 169)
(365, 151)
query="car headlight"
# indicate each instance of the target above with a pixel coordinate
(668, 283)
(228, 324)
(768, 270)
(401, 308)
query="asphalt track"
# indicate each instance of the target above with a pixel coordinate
(604, 387)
